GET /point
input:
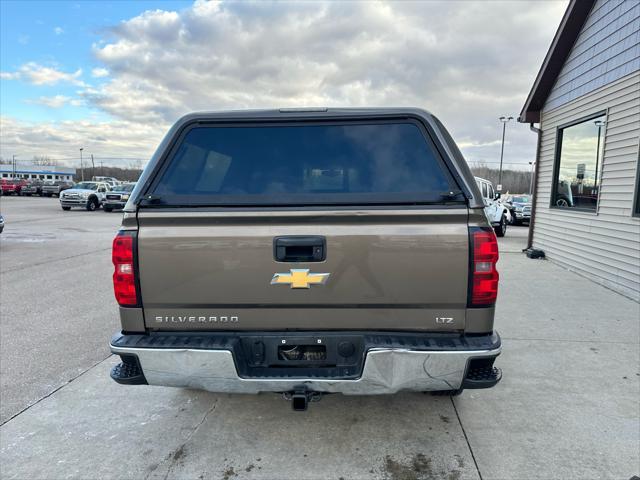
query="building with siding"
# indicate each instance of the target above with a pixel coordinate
(586, 104)
(40, 172)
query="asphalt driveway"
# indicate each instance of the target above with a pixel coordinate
(567, 406)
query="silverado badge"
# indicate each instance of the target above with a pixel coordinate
(299, 278)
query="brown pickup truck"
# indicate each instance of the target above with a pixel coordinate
(307, 252)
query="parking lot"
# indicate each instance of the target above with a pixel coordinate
(567, 406)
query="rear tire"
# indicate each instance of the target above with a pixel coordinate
(66, 209)
(501, 229)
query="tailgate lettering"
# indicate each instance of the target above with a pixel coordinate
(193, 319)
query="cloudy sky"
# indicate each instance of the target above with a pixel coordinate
(112, 77)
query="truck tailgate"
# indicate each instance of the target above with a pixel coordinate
(388, 269)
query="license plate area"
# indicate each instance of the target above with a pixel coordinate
(282, 356)
(302, 353)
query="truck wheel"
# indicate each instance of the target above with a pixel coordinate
(92, 204)
(66, 209)
(502, 228)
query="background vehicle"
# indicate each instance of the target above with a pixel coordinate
(306, 252)
(89, 195)
(520, 208)
(112, 181)
(118, 197)
(50, 188)
(33, 187)
(497, 213)
(564, 196)
(1, 223)
(12, 187)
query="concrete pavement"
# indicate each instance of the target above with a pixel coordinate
(567, 406)
(55, 282)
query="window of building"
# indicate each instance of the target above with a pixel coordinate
(48, 177)
(578, 164)
(4, 175)
(42, 177)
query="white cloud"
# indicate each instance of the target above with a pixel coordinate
(99, 72)
(460, 60)
(9, 75)
(467, 62)
(58, 30)
(41, 75)
(61, 140)
(56, 101)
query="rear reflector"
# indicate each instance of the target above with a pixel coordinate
(483, 276)
(124, 278)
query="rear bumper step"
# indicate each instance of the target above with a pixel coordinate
(481, 374)
(373, 364)
(128, 372)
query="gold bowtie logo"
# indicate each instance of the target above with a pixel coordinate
(299, 278)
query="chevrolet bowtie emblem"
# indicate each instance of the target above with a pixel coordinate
(299, 278)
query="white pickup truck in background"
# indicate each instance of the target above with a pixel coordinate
(497, 213)
(88, 195)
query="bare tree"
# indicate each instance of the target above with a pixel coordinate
(43, 161)
(124, 174)
(513, 181)
(135, 164)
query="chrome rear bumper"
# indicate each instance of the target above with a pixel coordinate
(386, 370)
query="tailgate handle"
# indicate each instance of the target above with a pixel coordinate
(299, 249)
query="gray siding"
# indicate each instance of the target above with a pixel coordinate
(607, 49)
(605, 245)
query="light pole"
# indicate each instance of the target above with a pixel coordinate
(504, 121)
(599, 124)
(531, 179)
(13, 164)
(81, 166)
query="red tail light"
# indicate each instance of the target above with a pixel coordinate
(124, 275)
(483, 277)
